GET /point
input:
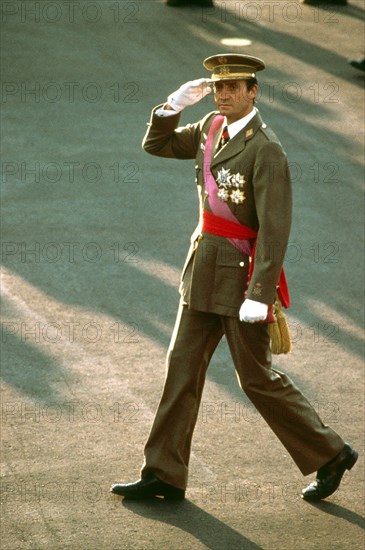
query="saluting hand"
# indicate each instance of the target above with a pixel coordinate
(252, 311)
(189, 93)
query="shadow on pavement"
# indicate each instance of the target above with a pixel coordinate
(299, 48)
(340, 512)
(348, 11)
(207, 529)
(33, 373)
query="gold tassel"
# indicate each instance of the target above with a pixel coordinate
(275, 338)
(279, 331)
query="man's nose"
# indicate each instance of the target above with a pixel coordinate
(223, 93)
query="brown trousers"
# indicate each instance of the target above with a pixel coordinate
(196, 335)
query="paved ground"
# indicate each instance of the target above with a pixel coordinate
(94, 237)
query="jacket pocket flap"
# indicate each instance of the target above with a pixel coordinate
(230, 259)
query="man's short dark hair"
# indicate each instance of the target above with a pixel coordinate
(251, 83)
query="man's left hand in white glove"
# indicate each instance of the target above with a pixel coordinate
(252, 311)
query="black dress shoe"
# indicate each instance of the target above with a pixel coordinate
(148, 488)
(358, 63)
(330, 475)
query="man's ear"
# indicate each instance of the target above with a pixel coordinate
(253, 92)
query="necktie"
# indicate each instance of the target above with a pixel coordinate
(225, 136)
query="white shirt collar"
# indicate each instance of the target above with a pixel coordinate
(237, 126)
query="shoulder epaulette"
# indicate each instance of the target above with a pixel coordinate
(269, 133)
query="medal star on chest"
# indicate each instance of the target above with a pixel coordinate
(237, 196)
(230, 186)
(224, 178)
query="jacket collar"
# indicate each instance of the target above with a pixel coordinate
(236, 144)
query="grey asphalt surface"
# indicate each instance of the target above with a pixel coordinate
(94, 235)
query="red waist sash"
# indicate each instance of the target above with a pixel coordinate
(221, 227)
(226, 228)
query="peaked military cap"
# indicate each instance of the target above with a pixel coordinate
(233, 66)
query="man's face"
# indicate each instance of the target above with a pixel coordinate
(233, 99)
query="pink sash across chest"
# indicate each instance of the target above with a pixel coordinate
(218, 207)
(223, 212)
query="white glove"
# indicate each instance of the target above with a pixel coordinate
(252, 311)
(189, 93)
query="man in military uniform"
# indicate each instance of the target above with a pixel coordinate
(232, 276)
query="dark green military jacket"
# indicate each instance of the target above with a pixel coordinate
(214, 277)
